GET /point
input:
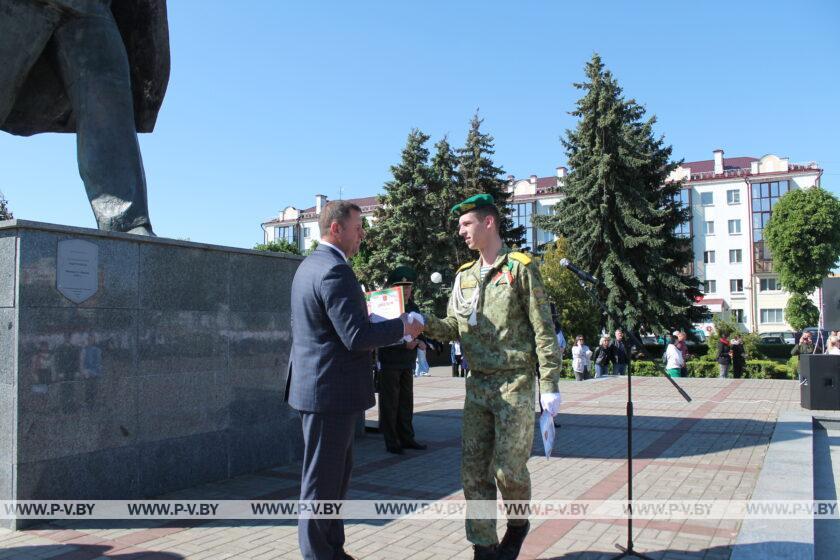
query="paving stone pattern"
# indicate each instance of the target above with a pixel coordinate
(711, 448)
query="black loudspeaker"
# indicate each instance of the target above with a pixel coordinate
(820, 381)
(831, 303)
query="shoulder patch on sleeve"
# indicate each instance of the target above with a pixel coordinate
(465, 266)
(521, 257)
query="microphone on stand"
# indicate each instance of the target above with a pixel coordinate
(583, 275)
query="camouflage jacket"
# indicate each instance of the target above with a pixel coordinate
(513, 329)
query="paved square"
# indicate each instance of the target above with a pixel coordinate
(711, 448)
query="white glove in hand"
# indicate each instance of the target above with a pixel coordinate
(410, 319)
(551, 402)
(414, 316)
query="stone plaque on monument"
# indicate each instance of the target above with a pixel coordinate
(77, 269)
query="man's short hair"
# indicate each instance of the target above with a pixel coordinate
(336, 211)
(489, 210)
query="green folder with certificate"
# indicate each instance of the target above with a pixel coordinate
(385, 304)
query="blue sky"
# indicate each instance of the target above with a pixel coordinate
(272, 102)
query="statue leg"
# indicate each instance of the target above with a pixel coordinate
(94, 67)
(25, 28)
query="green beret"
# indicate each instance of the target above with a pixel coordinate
(403, 274)
(473, 202)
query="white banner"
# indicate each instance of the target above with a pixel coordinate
(663, 510)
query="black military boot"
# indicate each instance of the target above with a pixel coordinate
(512, 541)
(484, 552)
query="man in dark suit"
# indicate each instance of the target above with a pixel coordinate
(330, 381)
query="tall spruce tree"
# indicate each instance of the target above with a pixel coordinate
(619, 214)
(447, 249)
(5, 213)
(399, 233)
(478, 174)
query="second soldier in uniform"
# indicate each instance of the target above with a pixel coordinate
(396, 377)
(501, 314)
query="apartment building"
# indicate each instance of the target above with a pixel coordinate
(731, 200)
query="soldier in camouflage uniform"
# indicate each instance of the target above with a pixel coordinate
(500, 311)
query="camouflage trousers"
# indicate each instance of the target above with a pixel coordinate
(497, 436)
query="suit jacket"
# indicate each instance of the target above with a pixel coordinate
(42, 104)
(332, 337)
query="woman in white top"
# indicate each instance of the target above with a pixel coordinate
(581, 355)
(833, 345)
(674, 360)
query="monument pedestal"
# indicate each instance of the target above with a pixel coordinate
(133, 366)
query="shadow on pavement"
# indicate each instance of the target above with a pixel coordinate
(767, 550)
(84, 552)
(604, 436)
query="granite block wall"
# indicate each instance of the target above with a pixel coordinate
(171, 374)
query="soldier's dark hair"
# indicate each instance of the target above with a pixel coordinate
(336, 211)
(489, 210)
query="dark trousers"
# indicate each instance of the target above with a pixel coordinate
(457, 370)
(327, 463)
(396, 406)
(93, 65)
(582, 375)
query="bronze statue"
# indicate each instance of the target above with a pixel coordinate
(97, 68)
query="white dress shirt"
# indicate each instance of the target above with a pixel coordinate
(340, 252)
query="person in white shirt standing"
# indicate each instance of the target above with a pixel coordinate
(833, 345)
(674, 360)
(581, 356)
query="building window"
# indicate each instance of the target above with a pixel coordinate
(736, 286)
(772, 315)
(735, 256)
(709, 287)
(307, 233)
(709, 257)
(734, 227)
(708, 228)
(733, 196)
(769, 285)
(522, 217)
(545, 236)
(707, 198)
(288, 233)
(683, 200)
(738, 316)
(764, 198)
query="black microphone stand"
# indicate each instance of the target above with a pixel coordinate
(634, 340)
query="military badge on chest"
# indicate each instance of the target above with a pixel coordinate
(503, 277)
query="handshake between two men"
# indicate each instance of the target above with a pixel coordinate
(499, 312)
(413, 325)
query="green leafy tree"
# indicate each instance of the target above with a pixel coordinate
(575, 310)
(804, 238)
(278, 246)
(729, 328)
(314, 244)
(399, 234)
(801, 312)
(5, 213)
(619, 214)
(360, 260)
(478, 174)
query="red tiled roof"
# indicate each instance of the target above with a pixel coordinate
(708, 165)
(366, 201)
(546, 182)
